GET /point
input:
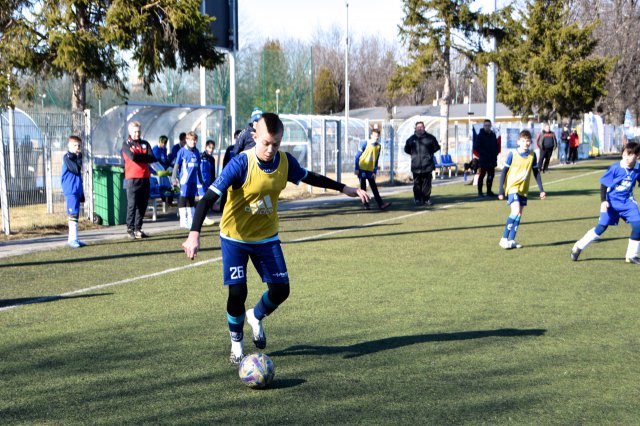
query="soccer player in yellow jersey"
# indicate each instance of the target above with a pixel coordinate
(249, 226)
(366, 167)
(514, 183)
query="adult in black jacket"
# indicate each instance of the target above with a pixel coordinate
(486, 148)
(245, 139)
(547, 142)
(422, 146)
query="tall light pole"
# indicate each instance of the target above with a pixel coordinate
(277, 101)
(491, 79)
(346, 95)
(43, 96)
(469, 113)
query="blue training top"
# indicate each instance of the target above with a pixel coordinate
(620, 182)
(71, 179)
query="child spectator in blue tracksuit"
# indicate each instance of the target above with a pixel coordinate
(72, 187)
(366, 167)
(616, 201)
(186, 173)
(207, 168)
(160, 152)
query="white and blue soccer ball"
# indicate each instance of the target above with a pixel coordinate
(257, 370)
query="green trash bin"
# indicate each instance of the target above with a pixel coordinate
(110, 196)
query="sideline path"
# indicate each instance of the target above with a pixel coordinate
(168, 223)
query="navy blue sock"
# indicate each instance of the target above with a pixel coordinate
(264, 306)
(236, 326)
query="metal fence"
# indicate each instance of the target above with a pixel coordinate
(33, 147)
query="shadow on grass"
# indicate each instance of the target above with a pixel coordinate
(428, 231)
(4, 303)
(374, 346)
(285, 383)
(127, 255)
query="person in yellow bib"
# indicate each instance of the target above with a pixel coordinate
(253, 181)
(514, 183)
(366, 167)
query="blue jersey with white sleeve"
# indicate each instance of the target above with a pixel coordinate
(188, 165)
(620, 181)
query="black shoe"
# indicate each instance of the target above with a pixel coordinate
(481, 195)
(418, 202)
(635, 260)
(131, 234)
(428, 203)
(385, 206)
(366, 206)
(490, 194)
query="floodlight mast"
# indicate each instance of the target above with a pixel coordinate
(491, 79)
(346, 98)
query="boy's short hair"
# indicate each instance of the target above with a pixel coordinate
(273, 123)
(524, 134)
(632, 148)
(192, 135)
(209, 142)
(163, 139)
(182, 135)
(237, 133)
(374, 130)
(75, 138)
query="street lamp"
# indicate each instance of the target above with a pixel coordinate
(43, 96)
(469, 113)
(277, 101)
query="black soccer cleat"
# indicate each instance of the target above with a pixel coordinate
(635, 260)
(575, 253)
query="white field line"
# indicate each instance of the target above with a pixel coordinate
(217, 259)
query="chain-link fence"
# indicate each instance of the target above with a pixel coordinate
(33, 147)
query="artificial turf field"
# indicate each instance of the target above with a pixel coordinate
(409, 316)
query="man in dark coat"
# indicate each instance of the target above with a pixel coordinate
(422, 146)
(486, 148)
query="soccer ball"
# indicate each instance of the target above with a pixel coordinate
(256, 370)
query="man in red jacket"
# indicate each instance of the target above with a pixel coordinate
(137, 155)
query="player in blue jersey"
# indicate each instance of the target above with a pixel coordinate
(207, 167)
(249, 226)
(366, 167)
(186, 172)
(616, 201)
(514, 184)
(71, 181)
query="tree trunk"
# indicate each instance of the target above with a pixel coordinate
(78, 101)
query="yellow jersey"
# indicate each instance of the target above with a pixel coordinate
(251, 212)
(519, 174)
(369, 157)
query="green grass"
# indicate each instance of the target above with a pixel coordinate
(419, 318)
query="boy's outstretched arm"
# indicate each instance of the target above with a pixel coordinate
(321, 181)
(192, 243)
(538, 176)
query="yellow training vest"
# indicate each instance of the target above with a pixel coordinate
(368, 158)
(519, 174)
(251, 212)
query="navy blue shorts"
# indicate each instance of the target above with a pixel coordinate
(267, 258)
(73, 205)
(512, 198)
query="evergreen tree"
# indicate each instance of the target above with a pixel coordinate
(326, 97)
(546, 65)
(431, 30)
(85, 39)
